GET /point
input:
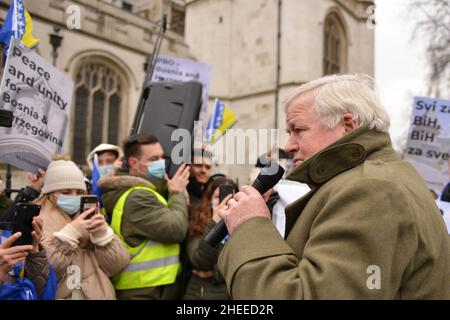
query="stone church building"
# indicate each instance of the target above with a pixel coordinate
(258, 49)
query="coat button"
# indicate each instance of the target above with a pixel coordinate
(321, 170)
(357, 155)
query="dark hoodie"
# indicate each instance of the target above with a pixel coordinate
(145, 218)
(445, 196)
(195, 190)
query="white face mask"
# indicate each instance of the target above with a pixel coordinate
(68, 204)
(105, 170)
(156, 169)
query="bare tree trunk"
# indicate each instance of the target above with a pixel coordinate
(434, 25)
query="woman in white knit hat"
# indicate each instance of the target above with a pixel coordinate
(83, 251)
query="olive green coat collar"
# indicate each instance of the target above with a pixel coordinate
(344, 154)
(351, 150)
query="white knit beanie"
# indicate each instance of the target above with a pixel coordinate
(62, 174)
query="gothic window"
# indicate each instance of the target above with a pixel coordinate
(335, 46)
(97, 105)
(177, 19)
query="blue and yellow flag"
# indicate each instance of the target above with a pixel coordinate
(228, 120)
(18, 24)
(215, 120)
(220, 121)
(95, 177)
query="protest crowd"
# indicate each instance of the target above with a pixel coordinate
(347, 217)
(145, 236)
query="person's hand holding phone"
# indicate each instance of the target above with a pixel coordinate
(221, 205)
(180, 180)
(98, 223)
(23, 219)
(10, 256)
(82, 223)
(37, 233)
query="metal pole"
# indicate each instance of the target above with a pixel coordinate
(54, 56)
(148, 78)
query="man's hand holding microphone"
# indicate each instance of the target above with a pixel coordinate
(245, 204)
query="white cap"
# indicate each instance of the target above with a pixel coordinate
(100, 148)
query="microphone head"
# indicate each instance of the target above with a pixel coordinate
(268, 177)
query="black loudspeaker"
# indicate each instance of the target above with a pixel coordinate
(170, 106)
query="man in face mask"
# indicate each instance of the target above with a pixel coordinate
(109, 158)
(149, 213)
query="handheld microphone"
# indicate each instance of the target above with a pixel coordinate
(267, 178)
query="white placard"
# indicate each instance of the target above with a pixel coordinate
(40, 97)
(428, 145)
(289, 191)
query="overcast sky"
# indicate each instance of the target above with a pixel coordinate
(400, 67)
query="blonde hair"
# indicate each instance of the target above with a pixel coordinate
(60, 156)
(338, 94)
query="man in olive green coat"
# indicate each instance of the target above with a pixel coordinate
(145, 218)
(368, 229)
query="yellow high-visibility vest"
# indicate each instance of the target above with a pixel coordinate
(152, 263)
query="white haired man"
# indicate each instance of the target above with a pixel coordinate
(368, 229)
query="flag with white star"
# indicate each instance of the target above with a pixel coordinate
(18, 24)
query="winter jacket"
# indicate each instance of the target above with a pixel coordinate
(368, 229)
(97, 258)
(145, 218)
(204, 258)
(195, 191)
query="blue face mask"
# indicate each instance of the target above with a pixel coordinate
(156, 169)
(105, 170)
(68, 204)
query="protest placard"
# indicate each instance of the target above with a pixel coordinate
(40, 97)
(182, 70)
(428, 145)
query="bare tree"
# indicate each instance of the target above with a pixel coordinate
(434, 25)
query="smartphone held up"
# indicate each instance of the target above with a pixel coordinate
(88, 202)
(23, 222)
